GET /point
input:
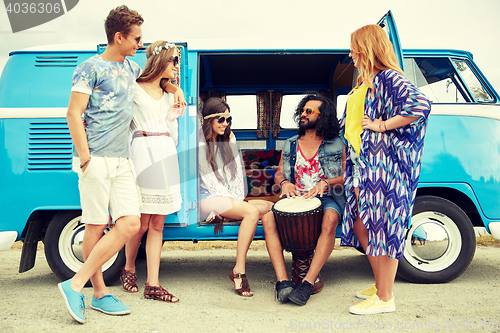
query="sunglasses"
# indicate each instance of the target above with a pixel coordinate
(137, 39)
(308, 111)
(221, 120)
(174, 59)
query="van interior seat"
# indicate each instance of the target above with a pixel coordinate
(261, 166)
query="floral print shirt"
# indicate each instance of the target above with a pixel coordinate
(308, 172)
(110, 108)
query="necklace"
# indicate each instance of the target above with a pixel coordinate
(155, 102)
(223, 171)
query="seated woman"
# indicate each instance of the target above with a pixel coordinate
(223, 184)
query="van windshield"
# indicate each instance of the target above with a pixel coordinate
(445, 81)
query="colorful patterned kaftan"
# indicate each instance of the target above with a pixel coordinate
(389, 166)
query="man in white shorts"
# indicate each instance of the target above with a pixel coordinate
(103, 91)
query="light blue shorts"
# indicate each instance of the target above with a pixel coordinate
(204, 193)
(329, 203)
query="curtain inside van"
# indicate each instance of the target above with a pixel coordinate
(268, 113)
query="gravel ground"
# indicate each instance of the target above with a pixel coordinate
(30, 302)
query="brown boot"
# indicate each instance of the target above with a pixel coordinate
(300, 267)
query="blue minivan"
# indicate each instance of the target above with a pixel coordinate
(460, 176)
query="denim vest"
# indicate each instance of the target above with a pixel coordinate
(330, 159)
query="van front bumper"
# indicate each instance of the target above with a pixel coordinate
(495, 229)
(7, 238)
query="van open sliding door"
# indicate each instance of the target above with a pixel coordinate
(387, 22)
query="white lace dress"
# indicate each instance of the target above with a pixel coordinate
(155, 156)
(211, 186)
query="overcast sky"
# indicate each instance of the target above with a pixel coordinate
(458, 24)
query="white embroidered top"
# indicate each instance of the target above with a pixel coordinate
(150, 115)
(229, 188)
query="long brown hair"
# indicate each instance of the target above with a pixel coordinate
(215, 141)
(156, 64)
(375, 52)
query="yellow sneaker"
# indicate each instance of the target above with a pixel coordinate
(373, 305)
(367, 293)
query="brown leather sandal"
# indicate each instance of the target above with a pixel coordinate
(159, 293)
(217, 220)
(245, 287)
(129, 280)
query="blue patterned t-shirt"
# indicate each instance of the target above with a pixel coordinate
(110, 108)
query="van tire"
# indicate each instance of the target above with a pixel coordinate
(438, 260)
(63, 249)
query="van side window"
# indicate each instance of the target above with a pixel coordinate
(288, 106)
(478, 91)
(439, 80)
(341, 104)
(244, 117)
(243, 111)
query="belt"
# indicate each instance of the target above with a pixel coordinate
(141, 134)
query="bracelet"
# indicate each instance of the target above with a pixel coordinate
(281, 182)
(385, 125)
(84, 164)
(380, 127)
(328, 185)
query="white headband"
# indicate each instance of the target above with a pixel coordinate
(158, 49)
(216, 115)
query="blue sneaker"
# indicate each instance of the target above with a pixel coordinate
(75, 302)
(109, 304)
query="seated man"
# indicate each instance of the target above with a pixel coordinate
(310, 166)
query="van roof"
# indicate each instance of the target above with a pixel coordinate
(72, 47)
(206, 44)
(222, 45)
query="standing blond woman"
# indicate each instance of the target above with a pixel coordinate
(384, 127)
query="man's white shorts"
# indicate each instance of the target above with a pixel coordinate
(107, 186)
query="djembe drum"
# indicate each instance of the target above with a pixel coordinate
(298, 221)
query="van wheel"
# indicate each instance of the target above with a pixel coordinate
(440, 243)
(63, 248)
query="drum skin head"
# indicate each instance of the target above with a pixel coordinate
(297, 204)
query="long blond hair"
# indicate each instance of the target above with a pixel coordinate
(375, 53)
(156, 63)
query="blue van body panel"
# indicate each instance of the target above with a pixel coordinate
(13, 175)
(48, 69)
(190, 169)
(193, 232)
(465, 189)
(39, 171)
(468, 153)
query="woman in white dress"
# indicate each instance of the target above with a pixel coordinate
(154, 137)
(223, 184)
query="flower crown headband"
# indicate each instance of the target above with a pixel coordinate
(158, 49)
